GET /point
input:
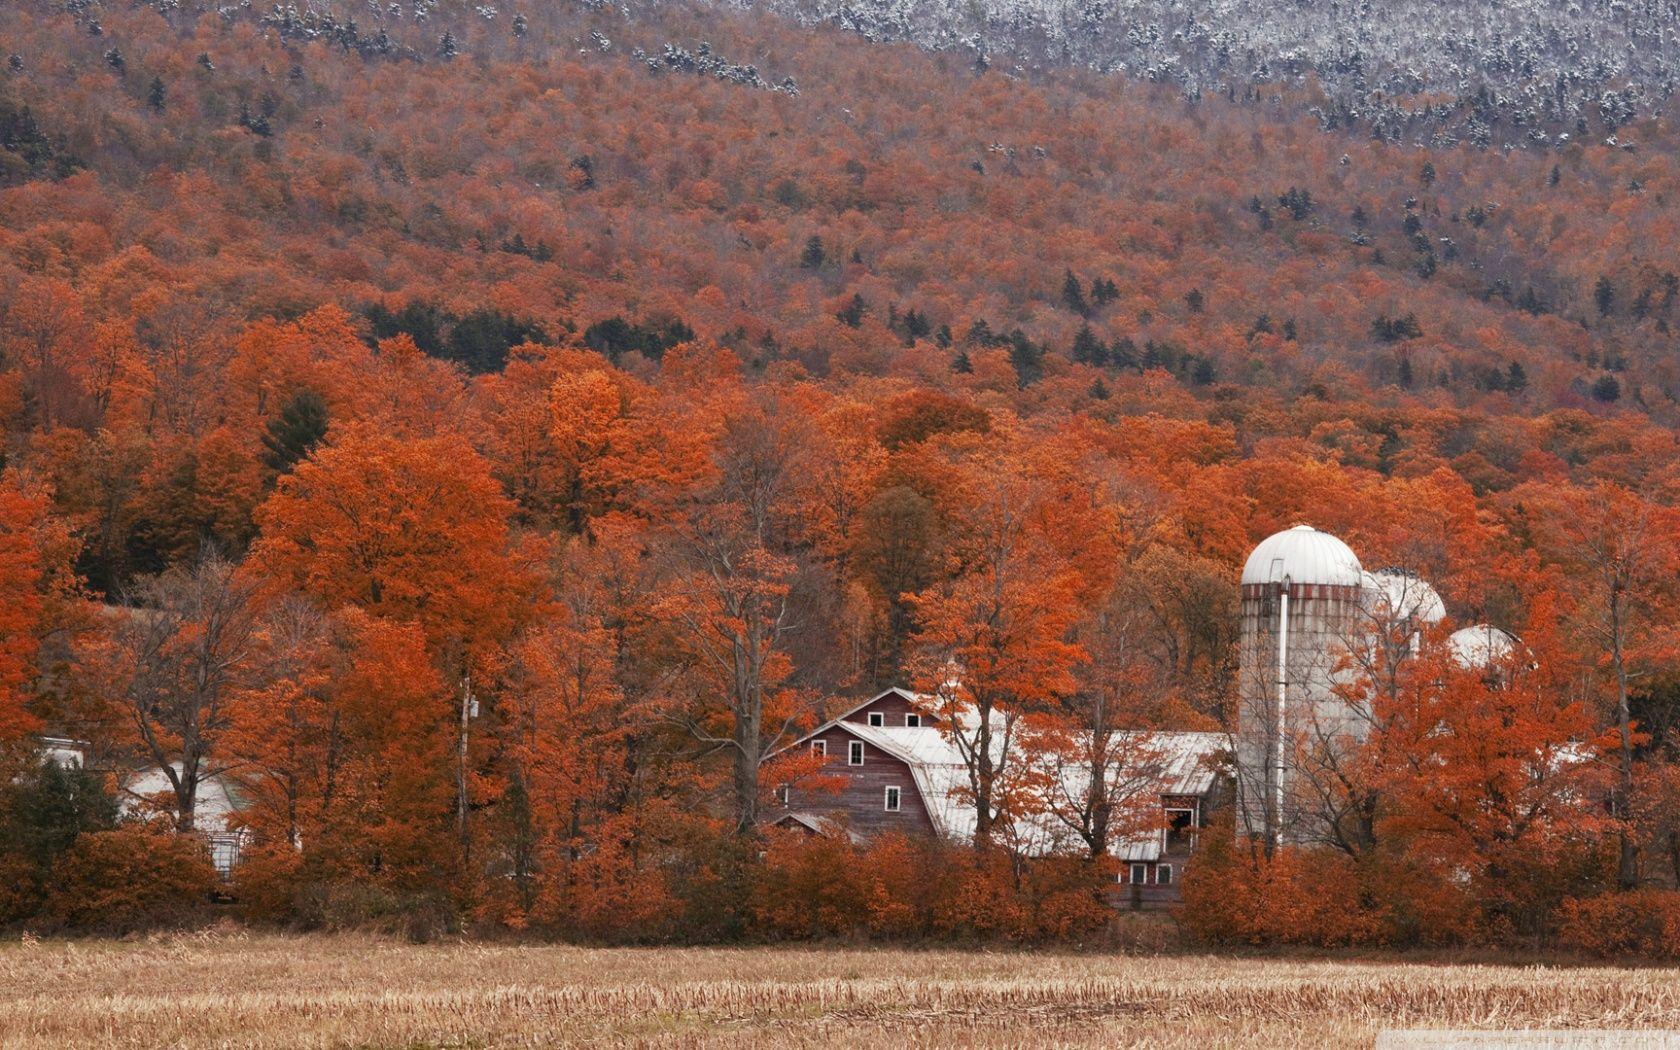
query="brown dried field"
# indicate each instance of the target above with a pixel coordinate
(233, 989)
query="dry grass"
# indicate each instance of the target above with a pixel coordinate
(231, 989)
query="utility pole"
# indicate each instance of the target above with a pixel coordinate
(469, 708)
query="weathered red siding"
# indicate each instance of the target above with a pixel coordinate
(861, 803)
(892, 708)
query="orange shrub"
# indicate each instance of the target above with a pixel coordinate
(1296, 896)
(902, 888)
(129, 878)
(1067, 897)
(604, 897)
(1642, 923)
(809, 886)
(903, 878)
(982, 900)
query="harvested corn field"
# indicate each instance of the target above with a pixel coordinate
(277, 991)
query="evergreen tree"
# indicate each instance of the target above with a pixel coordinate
(1074, 295)
(813, 256)
(1604, 294)
(293, 434)
(1607, 389)
(1027, 357)
(961, 364)
(43, 811)
(1088, 349)
(585, 166)
(1193, 299)
(1516, 378)
(447, 48)
(1123, 354)
(851, 315)
(156, 96)
(1426, 174)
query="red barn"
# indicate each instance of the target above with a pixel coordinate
(898, 770)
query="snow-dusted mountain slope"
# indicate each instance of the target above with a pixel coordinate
(1534, 72)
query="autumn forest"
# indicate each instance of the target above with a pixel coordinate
(487, 439)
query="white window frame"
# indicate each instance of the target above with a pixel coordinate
(1189, 828)
(782, 794)
(820, 747)
(892, 799)
(854, 753)
(876, 718)
(914, 721)
(1163, 874)
(1140, 875)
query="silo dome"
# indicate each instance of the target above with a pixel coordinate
(1393, 595)
(1303, 555)
(1480, 646)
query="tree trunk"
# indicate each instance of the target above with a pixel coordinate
(746, 771)
(1628, 868)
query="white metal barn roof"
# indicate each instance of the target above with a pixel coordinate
(1184, 766)
(1303, 554)
(217, 799)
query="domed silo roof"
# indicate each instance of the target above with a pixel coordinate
(1303, 555)
(1480, 646)
(1389, 593)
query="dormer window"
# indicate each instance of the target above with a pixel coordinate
(913, 721)
(876, 718)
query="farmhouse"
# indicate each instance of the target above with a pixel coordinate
(887, 765)
(146, 790)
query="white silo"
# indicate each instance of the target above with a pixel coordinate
(1402, 598)
(1481, 646)
(1300, 602)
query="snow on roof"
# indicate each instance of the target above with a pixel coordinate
(1302, 554)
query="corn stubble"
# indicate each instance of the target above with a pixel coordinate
(277, 991)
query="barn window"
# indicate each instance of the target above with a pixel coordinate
(1181, 825)
(912, 720)
(819, 747)
(1163, 875)
(876, 718)
(1140, 874)
(782, 794)
(854, 753)
(892, 800)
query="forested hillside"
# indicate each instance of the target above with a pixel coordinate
(653, 380)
